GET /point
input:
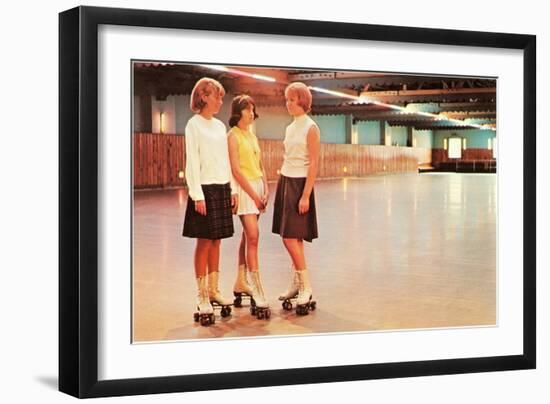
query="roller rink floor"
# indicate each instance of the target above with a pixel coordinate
(394, 252)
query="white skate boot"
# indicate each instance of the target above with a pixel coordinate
(216, 298)
(242, 288)
(305, 294)
(291, 292)
(205, 311)
(259, 306)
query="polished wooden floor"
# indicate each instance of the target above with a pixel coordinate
(394, 252)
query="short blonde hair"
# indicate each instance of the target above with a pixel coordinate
(302, 92)
(204, 87)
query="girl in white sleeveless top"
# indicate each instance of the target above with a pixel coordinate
(294, 215)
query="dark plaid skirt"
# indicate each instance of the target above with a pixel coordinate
(218, 222)
(286, 220)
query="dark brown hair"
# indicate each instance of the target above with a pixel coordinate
(239, 103)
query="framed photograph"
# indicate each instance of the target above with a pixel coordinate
(251, 202)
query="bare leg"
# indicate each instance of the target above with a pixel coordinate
(242, 250)
(260, 305)
(202, 252)
(214, 256)
(250, 226)
(241, 283)
(295, 248)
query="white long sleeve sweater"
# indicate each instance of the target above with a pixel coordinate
(207, 155)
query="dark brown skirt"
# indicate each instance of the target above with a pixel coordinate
(218, 222)
(286, 220)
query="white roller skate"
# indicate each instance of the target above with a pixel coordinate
(259, 305)
(303, 302)
(205, 311)
(242, 289)
(291, 292)
(216, 298)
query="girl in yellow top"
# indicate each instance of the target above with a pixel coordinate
(249, 174)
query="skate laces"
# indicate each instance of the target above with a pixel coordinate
(302, 290)
(257, 288)
(245, 278)
(295, 285)
(261, 289)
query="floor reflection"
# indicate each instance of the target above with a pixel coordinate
(395, 252)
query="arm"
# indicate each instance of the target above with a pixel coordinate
(192, 164)
(236, 170)
(265, 196)
(193, 169)
(233, 185)
(313, 147)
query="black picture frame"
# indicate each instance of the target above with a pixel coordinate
(78, 201)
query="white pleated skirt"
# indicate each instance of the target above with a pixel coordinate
(246, 203)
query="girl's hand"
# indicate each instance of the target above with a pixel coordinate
(234, 203)
(200, 207)
(259, 203)
(303, 205)
(265, 198)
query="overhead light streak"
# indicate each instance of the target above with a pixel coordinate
(357, 98)
(264, 78)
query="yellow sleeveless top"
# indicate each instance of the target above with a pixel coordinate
(249, 153)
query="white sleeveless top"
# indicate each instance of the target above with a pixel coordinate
(296, 157)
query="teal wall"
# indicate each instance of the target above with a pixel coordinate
(475, 138)
(427, 107)
(424, 138)
(398, 135)
(332, 127)
(184, 113)
(272, 122)
(368, 132)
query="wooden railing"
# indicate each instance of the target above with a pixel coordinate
(159, 160)
(473, 159)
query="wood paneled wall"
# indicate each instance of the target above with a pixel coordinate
(158, 159)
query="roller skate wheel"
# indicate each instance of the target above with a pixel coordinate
(302, 310)
(313, 305)
(260, 315)
(267, 313)
(238, 302)
(196, 317)
(253, 310)
(224, 312)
